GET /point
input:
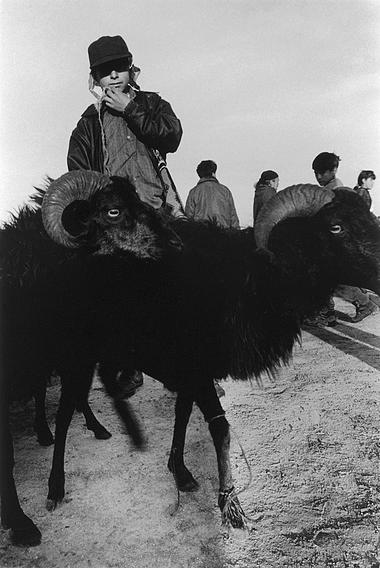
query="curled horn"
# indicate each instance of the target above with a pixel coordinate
(300, 200)
(70, 187)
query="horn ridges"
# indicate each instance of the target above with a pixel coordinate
(294, 201)
(72, 186)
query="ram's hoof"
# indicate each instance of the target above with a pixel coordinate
(45, 439)
(183, 478)
(189, 485)
(102, 433)
(27, 534)
(52, 504)
(44, 435)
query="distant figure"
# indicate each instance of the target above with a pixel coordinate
(325, 166)
(366, 179)
(211, 200)
(265, 188)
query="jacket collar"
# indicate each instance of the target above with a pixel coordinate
(204, 179)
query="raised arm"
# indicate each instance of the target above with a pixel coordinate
(153, 121)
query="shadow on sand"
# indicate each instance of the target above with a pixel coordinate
(353, 341)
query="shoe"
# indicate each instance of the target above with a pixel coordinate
(364, 311)
(325, 318)
(321, 320)
(315, 321)
(130, 383)
(375, 299)
(219, 390)
(330, 317)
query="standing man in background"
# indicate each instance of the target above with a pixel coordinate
(210, 200)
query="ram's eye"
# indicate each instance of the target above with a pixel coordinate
(335, 229)
(113, 213)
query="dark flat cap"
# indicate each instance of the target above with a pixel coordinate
(107, 48)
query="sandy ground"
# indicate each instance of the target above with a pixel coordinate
(305, 453)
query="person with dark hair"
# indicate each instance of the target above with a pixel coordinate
(206, 168)
(265, 188)
(210, 200)
(127, 132)
(366, 179)
(325, 166)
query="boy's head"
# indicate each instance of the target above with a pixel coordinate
(325, 166)
(206, 168)
(110, 62)
(366, 179)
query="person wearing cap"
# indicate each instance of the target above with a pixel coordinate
(265, 188)
(127, 132)
(210, 200)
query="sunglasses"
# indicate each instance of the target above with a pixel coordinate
(105, 69)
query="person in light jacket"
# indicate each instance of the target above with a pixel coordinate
(210, 200)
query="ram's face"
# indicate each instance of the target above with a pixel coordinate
(354, 237)
(119, 222)
(104, 215)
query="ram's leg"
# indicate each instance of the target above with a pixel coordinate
(57, 475)
(41, 427)
(183, 478)
(208, 402)
(92, 423)
(23, 530)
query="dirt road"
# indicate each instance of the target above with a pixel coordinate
(311, 440)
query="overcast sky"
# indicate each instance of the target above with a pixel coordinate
(257, 84)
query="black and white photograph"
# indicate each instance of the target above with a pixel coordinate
(190, 284)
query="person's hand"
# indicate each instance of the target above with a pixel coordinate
(116, 99)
